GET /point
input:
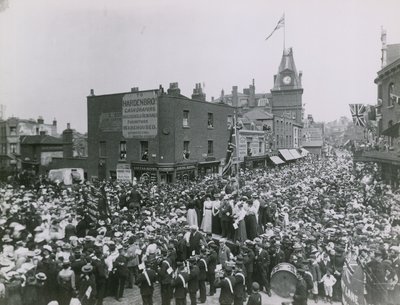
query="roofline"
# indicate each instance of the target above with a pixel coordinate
(112, 94)
(393, 65)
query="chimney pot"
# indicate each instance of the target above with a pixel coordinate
(92, 92)
(68, 126)
(135, 89)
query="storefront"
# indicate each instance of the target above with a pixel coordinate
(255, 161)
(208, 168)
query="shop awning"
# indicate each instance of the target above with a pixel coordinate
(304, 152)
(392, 131)
(286, 154)
(295, 154)
(276, 160)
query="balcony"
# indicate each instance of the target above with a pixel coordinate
(388, 157)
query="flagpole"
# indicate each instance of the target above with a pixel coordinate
(237, 150)
(284, 32)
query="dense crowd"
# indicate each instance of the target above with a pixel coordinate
(78, 244)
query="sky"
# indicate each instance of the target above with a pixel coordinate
(53, 52)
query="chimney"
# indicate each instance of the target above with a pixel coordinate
(300, 76)
(135, 89)
(91, 92)
(198, 93)
(235, 98)
(40, 120)
(54, 122)
(384, 48)
(161, 90)
(212, 99)
(252, 93)
(174, 89)
(275, 78)
(67, 137)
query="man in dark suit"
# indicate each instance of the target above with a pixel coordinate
(195, 240)
(261, 264)
(300, 294)
(212, 264)
(239, 290)
(146, 281)
(121, 271)
(226, 283)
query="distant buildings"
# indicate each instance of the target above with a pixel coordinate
(11, 130)
(313, 136)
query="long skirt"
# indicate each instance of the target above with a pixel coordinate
(251, 226)
(240, 232)
(192, 217)
(207, 222)
(216, 224)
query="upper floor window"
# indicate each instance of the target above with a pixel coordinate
(210, 147)
(391, 97)
(210, 120)
(186, 151)
(185, 118)
(144, 150)
(102, 149)
(229, 121)
(122, 150)
(13, 131)
(13, 148)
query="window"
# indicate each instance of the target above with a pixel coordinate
(277, 140)
(185, 118)
(229, 121)
(144, 150)
(13, 131)
(186, 151)
(102, 149)
(248, 144)
(210, 120)
(391, 97)
(122, 150)
(210, 147)
(260, 143)
(13, 148)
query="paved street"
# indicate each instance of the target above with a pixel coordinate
(132, 297)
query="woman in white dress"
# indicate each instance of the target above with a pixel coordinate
(206, 224)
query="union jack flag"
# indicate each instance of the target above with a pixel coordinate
(358, 112)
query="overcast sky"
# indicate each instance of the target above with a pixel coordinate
(53, 52)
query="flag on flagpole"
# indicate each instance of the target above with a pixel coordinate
(229, 152)
(281, 23)
(358, 112)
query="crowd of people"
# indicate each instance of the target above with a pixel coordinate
(78, 244)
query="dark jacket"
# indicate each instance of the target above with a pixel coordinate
(254, 299)
(141, 281)
(226, 296)
(180, 291)
(203, 266)
(193, 283)
(121, 266)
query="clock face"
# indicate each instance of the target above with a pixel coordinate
(287, 80)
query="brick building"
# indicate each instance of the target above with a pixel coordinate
(388, 115)
(163, 136)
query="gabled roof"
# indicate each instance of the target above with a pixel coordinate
(39, 140)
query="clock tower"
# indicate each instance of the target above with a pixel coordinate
(287, 91)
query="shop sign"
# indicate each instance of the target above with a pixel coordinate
(124, 173)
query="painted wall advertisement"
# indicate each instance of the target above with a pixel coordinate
(139, 115)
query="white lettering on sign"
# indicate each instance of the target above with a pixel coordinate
(140, 115)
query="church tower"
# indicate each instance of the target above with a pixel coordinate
(287, 91)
